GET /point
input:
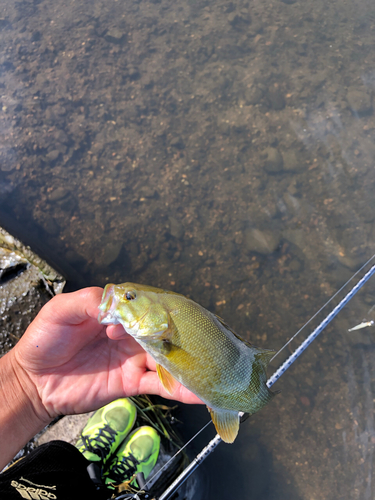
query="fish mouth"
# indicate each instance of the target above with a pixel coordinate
(107, 307)
(108, 314)
(107, 318)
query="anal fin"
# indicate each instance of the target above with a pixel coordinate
(226, 424)
(169, 383)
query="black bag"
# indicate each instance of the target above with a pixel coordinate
(53, 471)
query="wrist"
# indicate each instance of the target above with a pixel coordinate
(22, 413)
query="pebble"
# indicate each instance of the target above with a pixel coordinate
(177, 143)
(253, 95)
(264, 242)
(359, 101)
(292, 203)
(114, 35)
(351, 262)
(148, 192)
(295, 266)
(235, 18)
(111, 252)
(53, 155)
(290, 161)
(175, 228)
(305, 401)
(51, 227)
(276, 98)
(273, 161)
(58, 194)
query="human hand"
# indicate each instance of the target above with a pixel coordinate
(72, 364)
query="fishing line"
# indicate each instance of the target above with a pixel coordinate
(280, 371)
(179, 451)
(320, 328)
(321, 309)
(271, 381)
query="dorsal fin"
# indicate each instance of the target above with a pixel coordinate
(264, 355)
(227, 327)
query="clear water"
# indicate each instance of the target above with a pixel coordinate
(224, 150)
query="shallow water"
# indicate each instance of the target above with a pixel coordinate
(224, 150)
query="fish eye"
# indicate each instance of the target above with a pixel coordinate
(131, 295)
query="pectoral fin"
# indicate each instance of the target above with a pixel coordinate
(169, 383)
(226, 423)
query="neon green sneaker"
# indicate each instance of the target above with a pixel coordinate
(138, 453)
(106, 429)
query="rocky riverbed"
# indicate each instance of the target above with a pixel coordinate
(224, 150)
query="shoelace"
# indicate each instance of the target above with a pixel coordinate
(99, 443)
(124, 468)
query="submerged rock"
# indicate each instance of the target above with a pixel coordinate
(58, 194)
(175, 228)
(276, 98)
(264, 242)
(111, 252)
(291, 162)
(253, 95)
(274, 160)
(359, 102)
(115, 35)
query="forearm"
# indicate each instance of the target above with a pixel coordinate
(19, 420)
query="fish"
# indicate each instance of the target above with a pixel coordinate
(195, 347)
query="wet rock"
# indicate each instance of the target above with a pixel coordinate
(253, 95)
(264, 242)
(36, 36)
(276, 98)
(291, 162)
(148, 192)
(224, 128)
(177, 143)
(295, 265)
(352, 262)
(60, 136)
(58, 194)
(237, 18)
(111, 252)
(133, 73)
(59, 110)
(359, 102)
(175, 228)
(115, 35)
(296, 237)
(273, 160)
(68, 204)
(293, 187)
(147, 81)
(51, 226)
(292, 203)
(53, 155)
(23, 289)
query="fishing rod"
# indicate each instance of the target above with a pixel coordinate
(207, 450)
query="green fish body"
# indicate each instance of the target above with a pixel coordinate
(194, 347)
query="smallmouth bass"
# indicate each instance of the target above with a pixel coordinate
(194, 347)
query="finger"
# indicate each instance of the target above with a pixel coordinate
(116, 332)
(73, 308)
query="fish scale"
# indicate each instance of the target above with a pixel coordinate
(194, 347)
